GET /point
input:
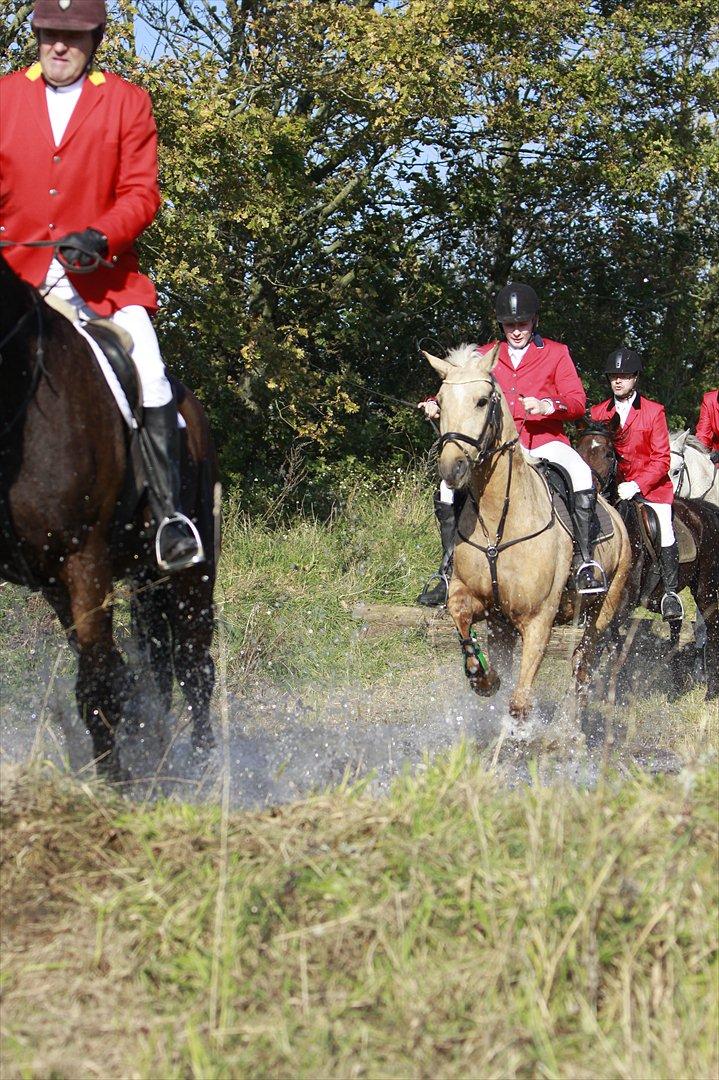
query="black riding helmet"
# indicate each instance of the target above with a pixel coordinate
(517, 303)
(623, 361)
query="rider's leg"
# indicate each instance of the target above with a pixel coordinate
(671, 605)
(589, 576)
(444, 510)
(176, 539)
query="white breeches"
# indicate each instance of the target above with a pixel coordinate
(565, 455)
(666, 529)
(156, 388)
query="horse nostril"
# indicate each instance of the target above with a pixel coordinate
(460, 470)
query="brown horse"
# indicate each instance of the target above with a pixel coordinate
(700, 575)
(512, 560)
(63, 463)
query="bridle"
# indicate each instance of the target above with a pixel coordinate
(488, 435)
(484, 445)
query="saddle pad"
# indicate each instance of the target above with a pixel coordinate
(602, 520)
(685, 542)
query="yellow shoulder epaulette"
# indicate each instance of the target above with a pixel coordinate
(34, 72)
(97, 78)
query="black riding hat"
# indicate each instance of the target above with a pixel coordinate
(623, 361)
(516, 303)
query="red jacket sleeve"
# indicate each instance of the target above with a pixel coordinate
(569, 399)
(657, 467)
(705, 430)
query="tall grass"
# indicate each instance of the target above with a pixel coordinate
(451, 930)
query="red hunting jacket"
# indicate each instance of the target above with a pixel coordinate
(547, 372)
(708, 425)
(102, 176)
(642, 446)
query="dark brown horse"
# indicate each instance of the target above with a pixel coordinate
(700, 576)
(63, 463)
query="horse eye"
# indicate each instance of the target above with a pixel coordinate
(482, 402)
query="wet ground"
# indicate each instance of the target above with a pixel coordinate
(278, 746)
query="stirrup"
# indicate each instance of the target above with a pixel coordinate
(600, 586)
(443, 580)
(671, 596)
(178, 564)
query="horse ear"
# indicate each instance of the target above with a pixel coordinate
(440, 366)
(680, 441)
(581, 423)
(492, 356)
(614, 424)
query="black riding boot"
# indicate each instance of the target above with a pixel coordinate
(671, 605)
(588, 575)
(177, 544)
(437, 595)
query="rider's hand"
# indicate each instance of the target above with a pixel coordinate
(81, 249)
(536, 406)
(430, 408)
(628, 489)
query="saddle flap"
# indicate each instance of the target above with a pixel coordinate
(649, 528)
(105, 333)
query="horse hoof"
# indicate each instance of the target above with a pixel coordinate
(485, 685)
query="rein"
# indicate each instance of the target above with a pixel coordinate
(485, 450)
(97, 260)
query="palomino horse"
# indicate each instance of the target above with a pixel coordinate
(512, 560)
(692, 472)
(63, 462)
(700, 575)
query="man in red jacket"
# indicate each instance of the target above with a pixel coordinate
(642, 448)
(543, 391)
(708, 424)
(78, 165)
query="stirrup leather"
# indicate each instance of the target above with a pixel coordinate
(178, 519)
(600, 585)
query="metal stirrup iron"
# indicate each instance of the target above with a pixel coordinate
(600, 585)
(178, 519)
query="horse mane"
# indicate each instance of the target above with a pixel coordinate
(464, 355)
(690, 440)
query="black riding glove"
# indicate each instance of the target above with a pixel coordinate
(80, 250)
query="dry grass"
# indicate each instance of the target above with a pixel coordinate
(454, 929)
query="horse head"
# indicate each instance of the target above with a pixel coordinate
(596, 447)
(473, 411)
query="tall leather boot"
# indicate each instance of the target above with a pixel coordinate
(446, 518)
(589, 576)
(177, 543)
(671, 605)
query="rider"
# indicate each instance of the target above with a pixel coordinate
(708, 424)
(543, 390)
(78, 165)
(642, 448)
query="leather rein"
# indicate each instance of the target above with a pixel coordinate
(486, 449)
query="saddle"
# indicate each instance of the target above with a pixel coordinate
(562, 493)
(649, 530)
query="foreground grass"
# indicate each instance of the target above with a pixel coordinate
(451, 930)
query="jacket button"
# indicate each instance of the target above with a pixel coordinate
(51, 226)
(53, 191)
(57, 158)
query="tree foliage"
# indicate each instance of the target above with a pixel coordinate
(344, 178)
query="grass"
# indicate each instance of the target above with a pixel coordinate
(453, 929)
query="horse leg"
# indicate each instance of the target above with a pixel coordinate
(102, 687)
(535, 636)
(153, 634)
(193, 618)
(501, 639)
(465, 609)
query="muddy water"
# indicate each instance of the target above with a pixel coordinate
(275, 747)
